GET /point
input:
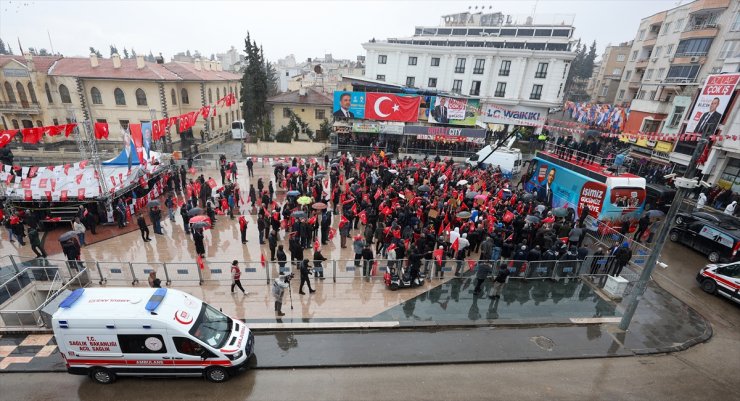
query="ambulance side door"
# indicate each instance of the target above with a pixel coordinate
(145, 351)
(190, 354)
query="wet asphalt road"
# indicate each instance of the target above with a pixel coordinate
(706, 371)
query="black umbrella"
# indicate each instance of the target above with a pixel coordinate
(424, 188)
(68, 235)
(532, 219)
(411, 169)
(471, 194)
(527, 197)
(463, 215)
(277, 164)
(560, 212)
(195, 211)
(299, 214)
(153, 203)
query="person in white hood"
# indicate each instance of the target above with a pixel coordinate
(701, 201)
(730, 209)
(455, 234)
(278, 291)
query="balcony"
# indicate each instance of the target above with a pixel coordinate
(19, 108)
(651, 106)
(642, 63)
(633, 84)
(700, 31)
(649, 41)
(689, 58)
(680, 80)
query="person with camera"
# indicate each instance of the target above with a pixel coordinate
(305, 272)
(278, 291)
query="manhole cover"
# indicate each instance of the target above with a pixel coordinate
(543, 342)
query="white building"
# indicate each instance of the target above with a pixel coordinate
(232, 60)
(513, 64)
(321, 73)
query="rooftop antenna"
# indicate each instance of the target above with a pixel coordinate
(50, 44)
(19, 46)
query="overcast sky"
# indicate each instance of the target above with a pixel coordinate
(303, 28)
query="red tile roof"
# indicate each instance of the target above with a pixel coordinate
(312, 96)
(80, 67)
(188, 72)
(42, 63)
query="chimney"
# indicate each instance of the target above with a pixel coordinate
(116, 60)
(94, 60)
(206, 65)
(140, 62)
(302, 91)
(218, 66)
(28, 56)
(197, 64)
(29, 61)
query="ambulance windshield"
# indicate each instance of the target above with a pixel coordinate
(212, 327)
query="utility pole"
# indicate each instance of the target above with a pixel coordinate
(683, 185)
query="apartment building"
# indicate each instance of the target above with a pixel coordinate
(604, 85)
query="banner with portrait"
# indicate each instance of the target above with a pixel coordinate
(453, 111)
(712, 103)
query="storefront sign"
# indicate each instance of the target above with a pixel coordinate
(712, 103)
(444, 131)
(664, 147)
(453, 111)
(391, 128)
(516, 115)
(366, 127)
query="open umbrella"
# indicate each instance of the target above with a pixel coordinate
(471, 195)
(293, 193)
(393, 171)
(201, 224)
(463, 215)
(298, 214)
(320, 174)
(655, 214)
(292, 169)
(532, 219)
(304, 200)
(277, 164)
(424, 188)
(527, 197)
(411, 169)
(481, 197)
(153, 203)
(334, 165)
(319, 206)
(200, 219)
(462, 182)
(560, 212)
(68, 235)
(195, 211)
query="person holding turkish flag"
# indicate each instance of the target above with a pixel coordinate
(389, 107)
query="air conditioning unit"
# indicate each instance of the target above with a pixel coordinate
(694, 59)
(654, 59)
(670, 59)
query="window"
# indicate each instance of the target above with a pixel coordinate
(641, 34)
(651, 125)
(432, 83)
(412, 60)
(634, 55)
(621, 57)
(460, 66)
(435, 61)
(480, 64)
(536, 92)
(95, 96)
(682, 73)
(232, 115)
(21, 94)
(657, 51)
(220, 125)
(661, 73)
(679, 25)
(736, 23)
(617, 71)
(731, 48)
(628, 75)
(55, 121)
(173, 95)
(668, 51)
(620, 95)
(382, 59)
(500, 89)
(120, 98)
(604, 90)
(475, 88)
(457, 85)
(39, 123)
(32, 93)
(380, 77)
(320, 114)
(410, 81)
(140, 97)
(187, 346)
(213, 122)
(676, 117)
(48, 94)
(142, 344)
(218, 94)
(541, 71)
(286, 112)
(64, 94)
(649, 74)
(15, 124)
(666, 28)
(9, 92)
(184, 96)
(651, 96)
(123, 124)
(505, 68)
(693, 47)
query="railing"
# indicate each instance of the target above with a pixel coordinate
(576, 156)
(608, 237)
(697, 27)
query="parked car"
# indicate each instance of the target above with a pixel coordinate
(659, 197)
(719, 219)
(719, 242)
(721, 279)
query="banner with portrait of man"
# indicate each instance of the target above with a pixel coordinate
(712, 103)
(453, 111)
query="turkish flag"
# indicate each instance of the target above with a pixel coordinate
(316, 245)
(456, 245)
(68, 129)
(158, 128)
(101, 130)
(80, 193)
(263, 262)
(363, 217)
(205, 111)
(6, 136)
(54, 130)
(388, 107)
(438, 254)
(32, 135)
(342, 221)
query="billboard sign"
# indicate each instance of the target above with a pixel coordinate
(376, 106)
(349, 104)
(453, 111)
(516, 115)
(712, 103)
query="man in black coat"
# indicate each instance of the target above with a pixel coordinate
(143, 228)
(305, 272)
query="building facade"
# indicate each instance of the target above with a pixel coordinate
(312, 106)
(503, 61)
(321, 73)
(604, 85)
(41, 91)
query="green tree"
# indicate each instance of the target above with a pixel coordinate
(113, 50)
(32, 51)
(44, 52)
(95, 52)
(125, 53)
(324, 130)
(3, 49)
(133, 53)
(259, 82)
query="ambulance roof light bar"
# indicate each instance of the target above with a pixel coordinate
(155, 300)
(72, 298)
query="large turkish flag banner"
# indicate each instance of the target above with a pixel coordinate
(388, 107)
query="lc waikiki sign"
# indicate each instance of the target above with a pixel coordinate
(521, 115)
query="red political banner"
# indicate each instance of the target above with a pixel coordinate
(389, 107)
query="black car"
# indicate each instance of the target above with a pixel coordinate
(719, 242)
(718, 219)
(659, 197)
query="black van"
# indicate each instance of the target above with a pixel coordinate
(719, 243)
(659, 197)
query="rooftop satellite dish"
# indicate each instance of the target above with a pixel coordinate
(317, 69)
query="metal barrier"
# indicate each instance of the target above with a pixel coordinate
(608, 237)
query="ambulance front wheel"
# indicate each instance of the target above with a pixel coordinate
(102, 375)
(216, 374)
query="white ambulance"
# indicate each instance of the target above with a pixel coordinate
(105, 332)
